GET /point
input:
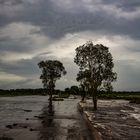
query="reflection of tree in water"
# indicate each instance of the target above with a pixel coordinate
(60, 127)
(48, 130)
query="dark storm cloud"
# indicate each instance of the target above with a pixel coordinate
(13, 47)
(23, 67)
(56, 21)
(123, 3)
(10, 2)
(129, 5)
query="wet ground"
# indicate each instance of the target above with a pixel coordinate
(34, 118)
(115, 119)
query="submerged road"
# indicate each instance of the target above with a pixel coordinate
(62, 121)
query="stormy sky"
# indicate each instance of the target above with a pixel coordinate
(35, 30)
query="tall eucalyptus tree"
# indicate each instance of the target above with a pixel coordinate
(52, 70)
(98, 61)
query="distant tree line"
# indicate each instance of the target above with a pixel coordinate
(73, 90)
(19, 92)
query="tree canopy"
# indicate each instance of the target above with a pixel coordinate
(52, 70)
(96, 67)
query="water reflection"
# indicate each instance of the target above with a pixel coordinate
(48, 130)
(64, 123)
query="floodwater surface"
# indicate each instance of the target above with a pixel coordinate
(35, 118)
(116, 119)
(17, 116)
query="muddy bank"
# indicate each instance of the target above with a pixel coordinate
(115, 119)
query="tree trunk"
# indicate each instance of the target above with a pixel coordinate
(83, 96)
(50, 95)
(95, 103)
(50, 107)
(95, 99)
(83, 93)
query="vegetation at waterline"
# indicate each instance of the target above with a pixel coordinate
(134, 96)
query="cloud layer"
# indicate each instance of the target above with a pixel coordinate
(34, 30)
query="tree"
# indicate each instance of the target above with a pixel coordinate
(74, 90)
(67, 90)
(98, 62)
(83, 77)
(52, 70)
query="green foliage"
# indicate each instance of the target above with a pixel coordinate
(74, 90)
(52, 70)
(96, 65)
(96, 68)
(67, 90)
(84, 78)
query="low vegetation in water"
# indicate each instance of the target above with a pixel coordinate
(134, 97)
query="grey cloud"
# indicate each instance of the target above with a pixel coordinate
(29, 69)
(128, 75)
(29, 83)
(129, 5)
(14, 47)
(24, 67)
(135, 49)
(11, 2)
(125, 5)
(20, 38)
(56, 23)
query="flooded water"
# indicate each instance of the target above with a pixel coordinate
(116, 119)
(34, 118)
(17, 116)
(63, 122)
